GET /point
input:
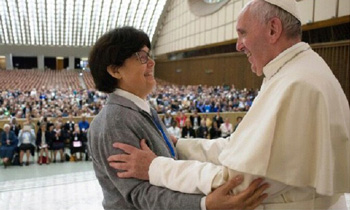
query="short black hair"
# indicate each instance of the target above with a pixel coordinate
(113, 48)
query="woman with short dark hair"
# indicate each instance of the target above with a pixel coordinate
(112, 50)
(121, 65)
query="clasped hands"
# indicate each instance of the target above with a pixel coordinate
(135, 163)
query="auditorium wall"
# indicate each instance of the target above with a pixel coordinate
(228, 69)
(181, 30)
(337, 56)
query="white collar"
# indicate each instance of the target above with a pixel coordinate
(274, 65)
(141, 103)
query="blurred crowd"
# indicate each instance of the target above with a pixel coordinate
(51, 102)
(46, 138)
(55, 103)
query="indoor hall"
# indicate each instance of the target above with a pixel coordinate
(208, 81)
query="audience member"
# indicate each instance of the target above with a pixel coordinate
(8, 145)
(15, 127)
(218, 119)
(84, 125)
(168, 119)
(174, 130)
(26, 142)
(187, 130)
(58, 142)
(195, 119)
(43, 139)
(202, 131)
(180, 119)
(77, 145)
(226, 128)
(238, 120)
(213, 130)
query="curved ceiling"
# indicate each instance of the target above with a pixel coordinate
(73, 22)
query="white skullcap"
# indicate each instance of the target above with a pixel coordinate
(287, 5)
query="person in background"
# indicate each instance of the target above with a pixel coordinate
(296, 134)
(77, 145)
(226, 128)
(121, 66)
(218, 119)
(202, 131)
(195, 120)
(26, 142)
(168, 119)
(44, 120)
(84, 125)
(180, 119)
(187, 130)
(29, 121)
(238, 120)
(58, 142)
(69, 126)
(213, 130)
(52, 137)
(15, 127)
(27, 110)
(43, 139)
(8, 145)
(174, 130)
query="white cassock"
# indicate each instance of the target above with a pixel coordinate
(296, 135)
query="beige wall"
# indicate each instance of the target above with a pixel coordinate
(183, 30)
(232, 68)
(2, 62)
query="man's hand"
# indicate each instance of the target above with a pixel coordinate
(173, 139)
(250, 198)
(135, 163)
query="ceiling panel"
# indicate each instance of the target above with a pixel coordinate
(73, 22)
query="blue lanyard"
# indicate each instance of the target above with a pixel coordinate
(155, 119)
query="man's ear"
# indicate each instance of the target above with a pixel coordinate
(114, 72)
(276, 28)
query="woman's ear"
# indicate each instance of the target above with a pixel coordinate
(114, 72)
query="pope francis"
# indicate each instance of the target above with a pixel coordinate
(296, 134)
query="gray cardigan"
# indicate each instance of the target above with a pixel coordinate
(122, 121)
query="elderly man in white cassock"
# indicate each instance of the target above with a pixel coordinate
(296, 134)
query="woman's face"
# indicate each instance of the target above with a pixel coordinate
(136, 77)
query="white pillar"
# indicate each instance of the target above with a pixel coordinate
(41, 62)
(9, 64)
(71, 62)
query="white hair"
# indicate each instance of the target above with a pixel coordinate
(264, 11)
(7, 126)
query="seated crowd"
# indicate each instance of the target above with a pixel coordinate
(51, 138)
(196, 126)
(58, 96)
